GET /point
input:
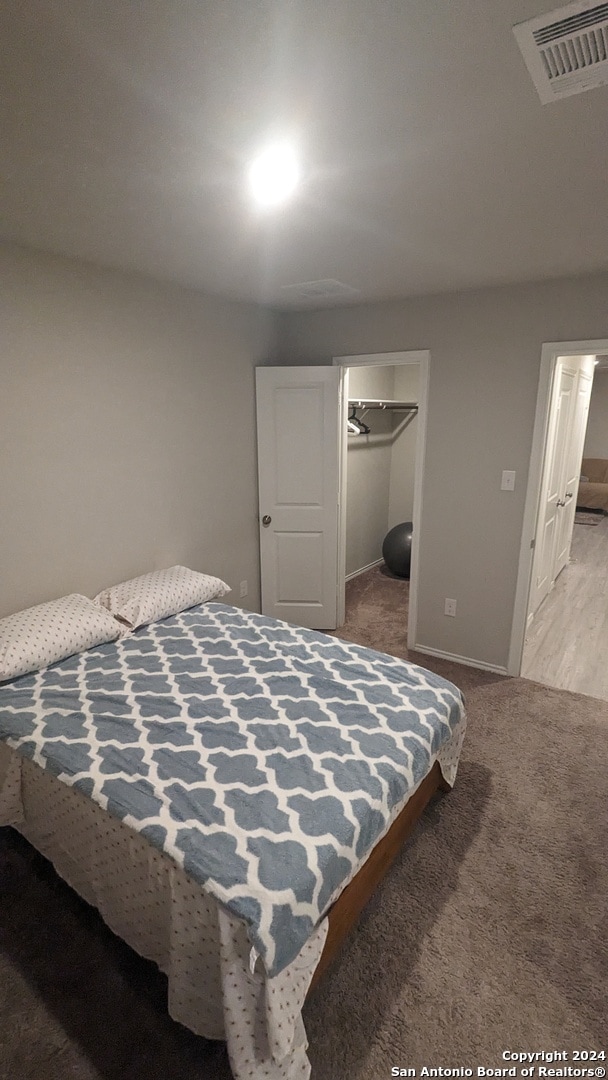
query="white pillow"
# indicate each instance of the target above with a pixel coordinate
(160, 594)
(42, 635)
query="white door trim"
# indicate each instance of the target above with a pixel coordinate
(423, 358)
(549, 354)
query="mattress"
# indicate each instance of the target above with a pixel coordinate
(230, 774)
(265, 759)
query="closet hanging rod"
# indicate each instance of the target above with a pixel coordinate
(381, 403)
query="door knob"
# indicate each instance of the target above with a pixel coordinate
(561, 502)
(266, 520)
(569, 494)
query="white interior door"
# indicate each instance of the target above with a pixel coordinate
(572, 468)
(298, 432)
(548, 521)
(564, 450)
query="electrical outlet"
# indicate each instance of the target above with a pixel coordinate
(450, 607)
(243, 588)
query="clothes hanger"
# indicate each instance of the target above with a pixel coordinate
(353, 419)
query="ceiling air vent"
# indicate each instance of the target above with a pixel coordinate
(566, 51)
(324, 289)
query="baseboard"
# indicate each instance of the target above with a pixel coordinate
(370, 566)
(466, 660)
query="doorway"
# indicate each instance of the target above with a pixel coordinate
(381, 471)
(302, 417)
(545, 571)
(567, 422)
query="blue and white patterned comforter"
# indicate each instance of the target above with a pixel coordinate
(264, 758)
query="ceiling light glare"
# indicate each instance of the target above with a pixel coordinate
(274, 175)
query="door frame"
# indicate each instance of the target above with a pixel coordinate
(550, 352)
(393, 359)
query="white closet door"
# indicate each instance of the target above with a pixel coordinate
(298, 429)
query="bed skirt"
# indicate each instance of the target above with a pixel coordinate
(216, 984)
(214, 987)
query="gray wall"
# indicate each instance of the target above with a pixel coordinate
(485, 358)
(127, 430)
(368, 471)
(596, 438)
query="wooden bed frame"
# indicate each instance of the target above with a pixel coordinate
(344, 913)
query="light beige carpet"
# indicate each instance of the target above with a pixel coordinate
(489, 934)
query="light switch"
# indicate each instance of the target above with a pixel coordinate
(508, 480)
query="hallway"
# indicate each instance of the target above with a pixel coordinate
(567, 643)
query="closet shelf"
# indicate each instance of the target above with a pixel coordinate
(382, 403)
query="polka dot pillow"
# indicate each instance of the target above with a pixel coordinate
(159, 594)
(42, 635)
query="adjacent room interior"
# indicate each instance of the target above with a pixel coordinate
(567, 616)
(270, 807)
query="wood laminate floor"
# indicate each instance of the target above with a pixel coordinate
(567, 644)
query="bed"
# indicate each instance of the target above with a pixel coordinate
(227, 790)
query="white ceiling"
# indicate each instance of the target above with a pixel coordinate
(430, 163)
